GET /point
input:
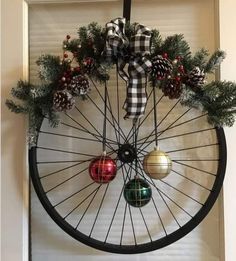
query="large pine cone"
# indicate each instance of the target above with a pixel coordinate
(161, 67)
(195, 79)
(63, 100)
(79, 85)
(172, 88)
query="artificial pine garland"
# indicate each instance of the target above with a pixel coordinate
(175, 70)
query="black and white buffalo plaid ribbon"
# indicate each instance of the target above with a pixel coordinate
(135, 52)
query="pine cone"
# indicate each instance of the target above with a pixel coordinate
(196, 78)
(172, 88)
(161, 67)
(79, 85)
(63, 100)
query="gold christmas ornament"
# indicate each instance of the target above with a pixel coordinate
(157, 164)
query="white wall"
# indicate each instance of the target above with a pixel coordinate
(228, 43)
(13, 128)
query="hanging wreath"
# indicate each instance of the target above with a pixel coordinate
(166, 64)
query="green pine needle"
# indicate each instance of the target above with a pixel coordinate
(200, 58)
(176, 46)
(217, 99)
(214, 62)
(156, 41)
(12, 106)
(50, 67)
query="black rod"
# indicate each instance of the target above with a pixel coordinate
(71, 211)
(127, 9)
(88, 206)
(64, 181)
(155, 116)
(104, 133)
(60, 170)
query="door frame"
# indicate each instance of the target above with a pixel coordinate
(15, 180)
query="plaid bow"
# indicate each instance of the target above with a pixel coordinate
(118, 46)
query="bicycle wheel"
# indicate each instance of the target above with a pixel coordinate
(97, 214)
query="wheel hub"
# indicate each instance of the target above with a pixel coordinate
(127, 153)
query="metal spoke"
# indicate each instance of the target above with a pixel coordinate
(117, 98)
(112, 124)
(146, 117)
(172, 126)
(63, 182)
(151, 182)
(194, 147)
(145, 223)
(100, 136)
(126, 204)
(60, 161)
(123, 224)
(73, 137)
(118, 129)
(69, 161)
(76, 207)
(186, 133)
(60, 170)
(183, 193)
(67, 151)
(102, 98)
(94, 195)
(72, 195)
(132, 224)
(159, 190)
(99, 209)
(116, 208)
(157, 126)
(189, 166)
(159, 216)
(193, 181)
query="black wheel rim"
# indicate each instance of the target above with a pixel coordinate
(121, 139)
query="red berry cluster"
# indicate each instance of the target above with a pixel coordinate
(65, 80)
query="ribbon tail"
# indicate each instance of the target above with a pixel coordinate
(136, 98)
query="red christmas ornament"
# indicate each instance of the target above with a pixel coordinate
(65, 55)
(68, 37)
(102, 169)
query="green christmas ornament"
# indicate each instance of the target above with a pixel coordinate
(137, 192)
